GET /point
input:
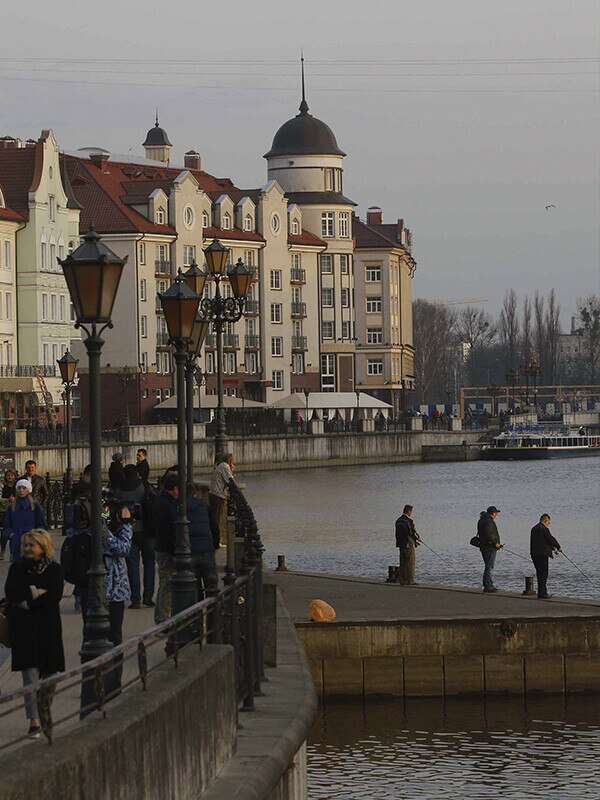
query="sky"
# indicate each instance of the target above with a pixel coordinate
(464, 118)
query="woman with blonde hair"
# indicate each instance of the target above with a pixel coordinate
(34, 588)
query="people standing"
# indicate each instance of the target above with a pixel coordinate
(33, 589)
(407, 540)
(142, 465)
(218, 492)
(7, 496)
(204, 541)
(115, 471)
(116, 544)
(23, 515)
(542, 547)
(489, 544)
(165, 515)
(39, 488)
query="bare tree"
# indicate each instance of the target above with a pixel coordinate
(433, 326)
(526, 343)
(552, 332)
(539, 331)
(509, 329)
(476, 331)
(589, 313)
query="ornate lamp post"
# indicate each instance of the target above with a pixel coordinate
(68, 368)
(180, 306)
(306, 396)
(534, 370)
(93, 273)
(357, 412)
(219, 311)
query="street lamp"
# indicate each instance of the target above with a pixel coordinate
(195, 342)
(219, 311)
(180, 307)
(512, 378)
(68, 368)
(92, 273)
(306, 396)
(534, 370)
(357, 390)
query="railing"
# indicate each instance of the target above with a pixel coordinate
(211, 341)
(162, 338)
(158, 304)
(297, 275)
(46, 437)
(232, 616)
(252, 341)
(298, 309)
(231, 340)
(162, 267)
(251, 307)
(299, 343)
(28, 371)
(7, 438)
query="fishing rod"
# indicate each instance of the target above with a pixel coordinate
(442, 558)
(597, 588)
(512, 552)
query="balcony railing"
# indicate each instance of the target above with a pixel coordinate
(158, 304)
(251, 307)
(299, 343)
(162, 267)
(231, 341)
(298, 309)
(211, 341)
(252, 341)
(162, 338)
(28, 371)
(297, 275)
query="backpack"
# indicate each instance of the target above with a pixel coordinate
(76, 558)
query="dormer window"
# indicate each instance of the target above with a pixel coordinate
(295, 227)
(160, 216)
(248, 222)
(226, 221)
(205, 220)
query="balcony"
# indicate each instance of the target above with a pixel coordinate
(231, 341)
(158, 304)
(162, 339)
(28, 371)
(299, 343)
(211, 341)
(252, 341)
(297, 275)
(298, 309)
(251, 308)
(162, 267)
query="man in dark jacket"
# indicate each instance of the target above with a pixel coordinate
(489, 539)
(165, 515)
(115, 471)
(204, 541)
(142, 465)
(39, 490)
(543, 544)
(407, 539)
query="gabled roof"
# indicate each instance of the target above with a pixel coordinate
(17, 170)
(231, 233)
(384, 235)
(306, 238)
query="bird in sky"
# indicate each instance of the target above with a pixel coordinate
(549, 207)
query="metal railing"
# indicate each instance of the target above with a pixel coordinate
(162, 338)
(162, 267)
(28, 370)
(231, 340)
(298, 309)
(299, 343)
(251, 307)
(297, 275)
(46, 437)
(232, 616)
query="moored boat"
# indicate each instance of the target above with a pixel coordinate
(538, 444)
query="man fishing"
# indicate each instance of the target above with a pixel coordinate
(489, 543)
(407, 539)
(542, 547)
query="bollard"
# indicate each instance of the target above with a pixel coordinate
(529, 585)
(391, 578)
(281, 567)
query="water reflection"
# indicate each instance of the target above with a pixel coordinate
(420, 748)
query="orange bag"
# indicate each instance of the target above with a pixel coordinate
(320, 611)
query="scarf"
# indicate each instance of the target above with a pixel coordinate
(39, 566)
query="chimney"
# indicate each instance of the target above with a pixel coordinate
(400, 230)
(100, 159)
(9, 143)
(30, 143)
(191, 160)
(374, 216)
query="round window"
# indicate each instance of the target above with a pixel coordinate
(275, 223)
(188, 216)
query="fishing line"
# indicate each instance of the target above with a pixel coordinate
(597, 588)
(512, 552)
(445, 560)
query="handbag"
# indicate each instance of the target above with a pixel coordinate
(475, 541)
(4, 625)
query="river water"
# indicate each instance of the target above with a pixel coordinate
(341, 520)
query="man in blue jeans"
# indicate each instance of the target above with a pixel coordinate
(489, 539)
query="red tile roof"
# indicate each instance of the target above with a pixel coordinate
(231, 233)
(17, 168)
(374, 235)
(11, 215)
(306, 238)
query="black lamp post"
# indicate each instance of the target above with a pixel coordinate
(221, 310)
(180, 306)
(512, 378)
(306, 396)
(357, 390)
(68, 368)
(534, 370)
(93, 273)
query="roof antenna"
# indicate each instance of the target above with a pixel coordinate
(303, 104)
(156, 123)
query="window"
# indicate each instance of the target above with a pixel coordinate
(374, 335)
(345, 329)
(205, 219)
(165, 364)
(372, 274)
(160, 216)
(9, 305)
(251, 360)
(248, 224)
(46, 354)
(328, 372)
(210, 362)
(296, 328)
(144, 363)
(159, 394)
(52, 265)
(275, 223)
(296, 294)
(373, 305)
(329, 180)
(275, 312)
(298, 363)
(374, 366)
(161, 252)
(63, 307)
(161, 287)
(143, 293)
(327, 298)
(43, 256)
(7, 255)
(296, 260)
(277, 379)
(189, 254)
(344, 223)
(328, 223)
(345, 297)
(249, 258)
(9, 354)
(344, 263)
(276, 345)
(188, 217)
(326, 264)
(295, 227)
(144, 326)
(53, 308)
(52, 208)
(61, 251)
(229, 363)
(327, 330)
(142, 252)
(54, 353)
(44, 307)
(226, 221)
(275, 279)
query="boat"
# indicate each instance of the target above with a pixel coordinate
(535, 443)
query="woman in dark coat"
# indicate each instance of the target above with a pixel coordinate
(33, 589)
(8, 495)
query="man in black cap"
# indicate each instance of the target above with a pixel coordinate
(489, 539)
(543, 544)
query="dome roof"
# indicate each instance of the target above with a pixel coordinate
(157, 137)
(304, 135)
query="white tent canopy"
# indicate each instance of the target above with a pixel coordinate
(210, 401)
(332, 401)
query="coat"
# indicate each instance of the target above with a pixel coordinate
(204, 537)
(35, 624)
(115, 546)
(165, 514)
(38, 484)
(487, 531)
(542, 542)
(23, 515)
(405, 530)
(143, 469)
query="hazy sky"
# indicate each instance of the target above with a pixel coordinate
(466, 118)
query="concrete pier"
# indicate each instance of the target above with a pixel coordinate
(434, 641)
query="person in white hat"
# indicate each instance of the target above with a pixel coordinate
(23, 515)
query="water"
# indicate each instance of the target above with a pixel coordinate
(461, 749)
(341, 519)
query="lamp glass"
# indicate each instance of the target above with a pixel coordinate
(216, 258)
(68, 367)
(199, 331)
(195, 278)
(180, 313)
(93, 289)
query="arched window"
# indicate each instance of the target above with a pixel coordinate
(160, 216)
(205, 219)
(226, 221)
(295, 227)
(248, 222)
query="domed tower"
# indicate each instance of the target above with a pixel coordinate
(157, 144)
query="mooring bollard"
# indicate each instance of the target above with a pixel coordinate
(529, 585)
(393, 575)
(281, 567)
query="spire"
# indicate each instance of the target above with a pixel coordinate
(156, 123)
(303, 104)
